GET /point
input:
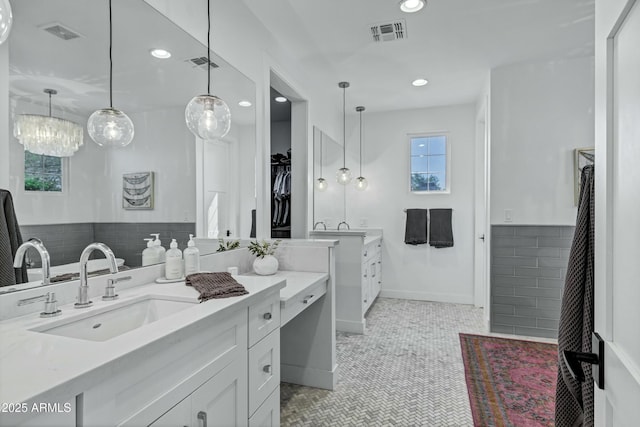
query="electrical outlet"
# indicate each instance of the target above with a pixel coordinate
(508, 215)
(364, 223)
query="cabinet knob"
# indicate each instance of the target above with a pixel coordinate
(202, 416)
(306, 300)
(365, 301)
(267, 316)
(365, 253)
(267, 369)
(365, 275)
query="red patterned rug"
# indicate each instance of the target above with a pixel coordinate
(510, 382)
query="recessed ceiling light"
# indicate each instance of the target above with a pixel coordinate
(244, 104)
(420, 82)
(160, 53)
(410, 6)
(280, 99)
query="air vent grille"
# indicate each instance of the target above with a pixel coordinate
(61, 31)
(201, 62)
(389, 31)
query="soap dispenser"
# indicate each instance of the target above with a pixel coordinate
(173, 264)
(149, 255)
(191, 258)
(158, 245)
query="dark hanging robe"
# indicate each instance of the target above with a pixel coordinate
(574, 400)
(10, 240)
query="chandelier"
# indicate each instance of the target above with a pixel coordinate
(48, 135)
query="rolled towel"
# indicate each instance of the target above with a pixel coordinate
(416, 228)
(215, 285)
(440, 230)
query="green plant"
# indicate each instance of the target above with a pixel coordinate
(264, 248)
(227, 246)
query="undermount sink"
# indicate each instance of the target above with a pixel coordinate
(117, 319)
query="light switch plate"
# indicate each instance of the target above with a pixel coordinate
(508, 215)
(364, 223)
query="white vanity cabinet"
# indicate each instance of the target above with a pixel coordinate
(358, 275)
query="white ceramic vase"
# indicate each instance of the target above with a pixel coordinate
(265, 266)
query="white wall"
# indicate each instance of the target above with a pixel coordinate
(417, 272)
(540, 112)
(4, 115)
(280, 137)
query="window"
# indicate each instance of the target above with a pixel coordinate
(42, 173)
(429, 163)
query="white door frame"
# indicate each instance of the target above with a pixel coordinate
(621, 395)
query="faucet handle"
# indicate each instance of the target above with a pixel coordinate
(110, 290)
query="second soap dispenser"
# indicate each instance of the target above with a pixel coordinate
(191, 258)
(173, 265)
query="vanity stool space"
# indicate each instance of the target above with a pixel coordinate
(358, 274)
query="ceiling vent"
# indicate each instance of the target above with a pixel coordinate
(389, 31)
(201, 62)
(60, 31)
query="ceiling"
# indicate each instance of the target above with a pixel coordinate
(452, 43)
(78, 68)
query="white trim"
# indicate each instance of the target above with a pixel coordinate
(351, 326)
(310, 377)
(447, 172)
(428, 296)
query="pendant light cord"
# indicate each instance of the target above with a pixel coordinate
(360, 142)
(344, 128)
(49, 103)
(208, 46)
(110, 58)
(320, 154)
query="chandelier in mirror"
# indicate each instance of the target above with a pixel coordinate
(361, 181)
(48, 135)
(343, 176)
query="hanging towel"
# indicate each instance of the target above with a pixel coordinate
(574, 400)
(416, 228)
(440, 231)
(215, 285)
(10, 240)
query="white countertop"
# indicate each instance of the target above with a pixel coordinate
(297, 282)
(39, 367)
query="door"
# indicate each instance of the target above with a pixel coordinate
(480, 264)
(217, 188)
(617, 220)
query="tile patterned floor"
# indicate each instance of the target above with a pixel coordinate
(406, 371)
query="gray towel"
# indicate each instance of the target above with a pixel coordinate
(215, 285)
(416, 227)
(440, 230)
(10, 240)
(574, 400)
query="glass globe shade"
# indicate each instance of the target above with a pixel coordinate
(361, 183)
(343, 176)
(208, 117)
(110, 128)
(6, 19)
(321, 184)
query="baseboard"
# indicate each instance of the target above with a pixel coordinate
(428, 296)
(311, 377)
(350, 326)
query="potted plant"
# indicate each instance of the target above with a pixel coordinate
(265, 263)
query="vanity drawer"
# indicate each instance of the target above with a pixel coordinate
(264, 317)
(268, 414)
(264, 369)
(295, 305)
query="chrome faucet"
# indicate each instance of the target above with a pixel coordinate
(345, 223)
(83, 291)
(318, 223)
(44, 255)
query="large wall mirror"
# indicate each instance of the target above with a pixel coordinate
(329, 202)
(203, 186)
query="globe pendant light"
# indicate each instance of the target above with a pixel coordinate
(6, 19)
(207, 116)
(110, 127)
(321, 183)
(361, 181)
(344, 174)
(48, 135)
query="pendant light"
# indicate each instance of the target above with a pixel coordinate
(6, 19)
(344, 174)
(48, 135)
(361, 181)
(207, 116)
(110, 127)
(321, 183)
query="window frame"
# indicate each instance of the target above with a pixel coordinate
(64, 177)
(430, 134)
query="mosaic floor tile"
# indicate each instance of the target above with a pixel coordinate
(405, 371)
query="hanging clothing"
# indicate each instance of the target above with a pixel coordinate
(574, 400)
(10, 240)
